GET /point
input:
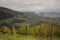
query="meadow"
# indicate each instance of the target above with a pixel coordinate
(22, 37)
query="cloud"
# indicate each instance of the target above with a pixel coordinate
(3, 0)
(30, 4)
(15, 0)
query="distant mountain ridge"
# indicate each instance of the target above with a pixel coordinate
(49, 14)
(30, 14)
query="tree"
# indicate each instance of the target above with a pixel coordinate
(13, 31)
(24, 29)
(0, 29)
(5, 29)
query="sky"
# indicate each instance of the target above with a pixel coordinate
(30, 5)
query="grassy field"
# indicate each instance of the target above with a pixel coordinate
(21, 37)
(10, 37)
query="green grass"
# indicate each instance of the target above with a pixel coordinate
(10, 37)
(56, 38)
(22, 37)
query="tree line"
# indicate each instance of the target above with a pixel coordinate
(45, 29)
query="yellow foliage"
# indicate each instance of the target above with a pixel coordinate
(13, 31)
(5, 29)
(24, 29)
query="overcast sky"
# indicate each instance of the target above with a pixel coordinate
(30, 5)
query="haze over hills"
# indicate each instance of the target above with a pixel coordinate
(30, 14)
(49, 13)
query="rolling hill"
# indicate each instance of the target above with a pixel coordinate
(11, 17)
(6, 13)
